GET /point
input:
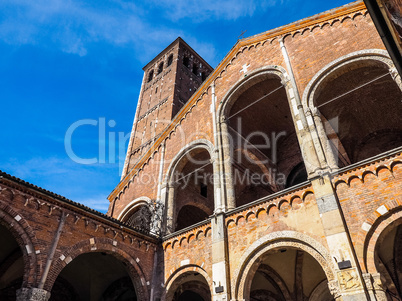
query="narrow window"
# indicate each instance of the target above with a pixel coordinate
(160, 68)
(150, 75)
(186, 61)
(203, 76)
(204, 190)
(170, 60)
(195, 69)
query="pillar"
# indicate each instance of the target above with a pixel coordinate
(227, 174)
(220, 263)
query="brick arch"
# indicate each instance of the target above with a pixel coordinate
(243, 84)
(177, 164)
(378, 55)
(199, 143)
(132, 205)
(372, 228)
(27, 241)
(172, 283)
(242, 276)
(120, 252)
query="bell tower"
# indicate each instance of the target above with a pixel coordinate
(169, 81)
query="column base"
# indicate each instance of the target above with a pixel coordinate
(32, 294)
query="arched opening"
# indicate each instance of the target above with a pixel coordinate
(190, 286)
(160, 68)
(288, 273)
(94, 276)
(11, 265)
(139, 217)
(360, 106)
(150, 75)
(170, 60)
(388, 259)
(263, 142)
(192, 181)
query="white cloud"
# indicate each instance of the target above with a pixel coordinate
(200, 11)
(72, 26)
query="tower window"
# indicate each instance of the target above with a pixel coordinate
(186, 61)
(170, 60)
(160, 68)
(150, 75)
(204, 190)
(195, 69)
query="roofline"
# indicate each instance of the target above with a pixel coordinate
(8, 179)
(280, 31)
(178, 40)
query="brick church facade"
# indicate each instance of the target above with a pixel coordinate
(275, 176)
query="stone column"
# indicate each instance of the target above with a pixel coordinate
(324, 144)
(170, 223)
(312, 159)
(220, 266)
(32, 294)
(227, 173)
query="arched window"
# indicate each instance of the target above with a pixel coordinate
(160, 68)
(191, 193)
(150, 75)
(170, 60)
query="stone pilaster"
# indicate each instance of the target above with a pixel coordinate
(350, 285)
(220, 275)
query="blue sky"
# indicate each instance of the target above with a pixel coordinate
(64, 62)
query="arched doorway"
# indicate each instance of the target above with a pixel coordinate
(191, 188)
(189, 286)
(388, 259)
(288, 273)
(263, 144)
(11, 265)
(94, 276)
(353, 99)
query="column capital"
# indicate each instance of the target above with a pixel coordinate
(32, 294)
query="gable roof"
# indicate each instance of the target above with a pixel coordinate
(277, 32)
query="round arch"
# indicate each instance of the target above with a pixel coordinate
(26, 239)
(372, 239)
(173, 282)
(249, 261)
(363, 84)
(243, 84)
(105, 245)
(258, 120)
(133, 205)
(199, 143)
(377, 55)
(195, 156)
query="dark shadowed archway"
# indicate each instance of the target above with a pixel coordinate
(94, 276)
